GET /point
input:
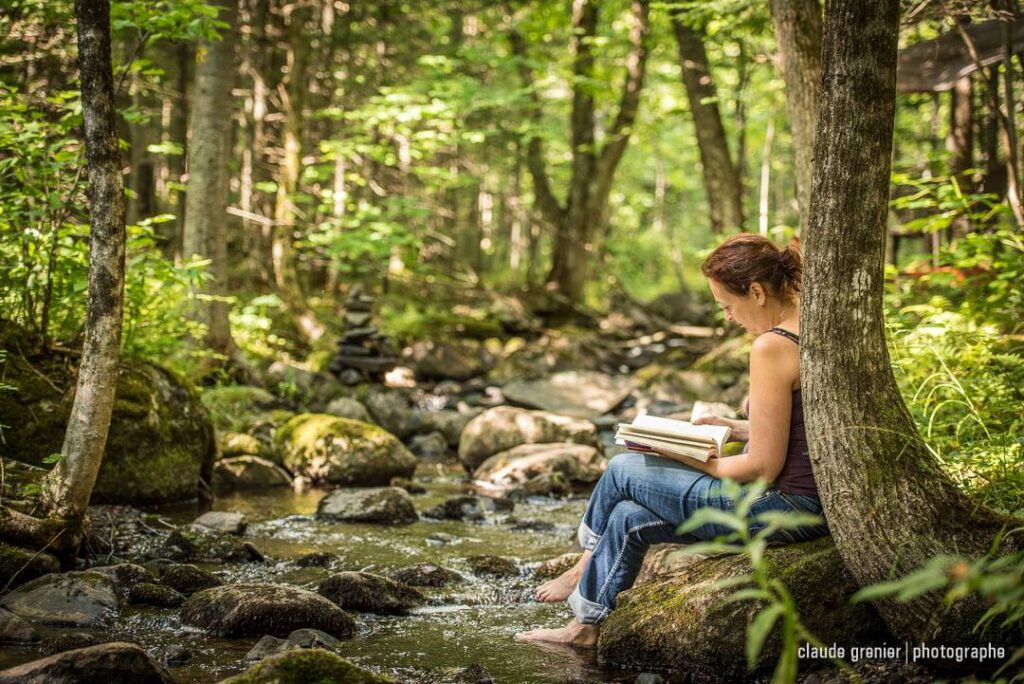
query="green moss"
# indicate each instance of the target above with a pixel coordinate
(312, 666)
(18, 566)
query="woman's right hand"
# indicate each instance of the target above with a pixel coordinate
(740, 428)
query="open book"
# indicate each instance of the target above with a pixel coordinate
(678, 437)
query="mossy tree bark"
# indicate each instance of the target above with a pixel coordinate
(579, 222)
(797, 25)
(69, 485)
(889, 504)
(721, 176)
(206, 202)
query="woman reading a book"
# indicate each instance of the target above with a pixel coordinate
(642, 498)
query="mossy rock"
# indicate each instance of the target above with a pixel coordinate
(364, 592)
(188, 579)
(209, 547)
(427, 575)
(306, 666)
(682, 621)
(236, 610)
(19, 566)
(151, 594)
(494, 566)
(231, 405)
(339, 451)
(160, 443)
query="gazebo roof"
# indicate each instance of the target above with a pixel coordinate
(935, 65)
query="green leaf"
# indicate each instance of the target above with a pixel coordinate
(759, 630)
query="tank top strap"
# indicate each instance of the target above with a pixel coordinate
(787, 334)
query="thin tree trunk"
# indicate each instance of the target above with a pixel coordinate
(721, 178)
(178, 133)
(766, 177)
(206, 217)
(889, 504)
(69, 485)
(797, 26)
(960, 144)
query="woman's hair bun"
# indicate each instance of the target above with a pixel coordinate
(791, 264)
(745, 259)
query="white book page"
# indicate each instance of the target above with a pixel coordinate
(713, 433)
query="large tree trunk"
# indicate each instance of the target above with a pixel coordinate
(798, 34)
(721, 177)
(69, 485)
(283, 255)
(889, 504)
(205, 233)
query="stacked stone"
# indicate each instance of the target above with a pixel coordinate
(364, 353)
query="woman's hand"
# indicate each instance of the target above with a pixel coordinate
(740, 428)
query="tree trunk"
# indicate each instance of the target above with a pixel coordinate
(206, 202)
(888, 503)
(960, 144)
(721, 178)
(283, 255)
(798, 34)
(69, 485)
(178, 133)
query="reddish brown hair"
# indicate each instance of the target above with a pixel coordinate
(745, 259)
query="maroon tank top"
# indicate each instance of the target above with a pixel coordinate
(796, 476)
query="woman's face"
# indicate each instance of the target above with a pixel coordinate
(747, 310)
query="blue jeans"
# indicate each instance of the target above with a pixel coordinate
(641, 500)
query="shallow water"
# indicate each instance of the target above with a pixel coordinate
(467, 623)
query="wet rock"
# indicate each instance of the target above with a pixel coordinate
(446, 360)
(18, 566)
(346, 407)
(495, 566)
(69, 641)
(158, 595)
(502, 428)
(530, 525)
(112, 662)
(649, 678)
(392, 411)
(188, 579)
(256, 609)
(238, 444)
(209, 547)
(554, 567)
(302, 666)
(514, 468)
(442, 539)
(295, 383)
(545, 484)
(125, 575)
(226, 522)
(341, 451)
(408, 485)
(231, 405)
(682, 622)
(267, 646)
(581, 394)
(457, 508)
(474, 674)
(449, 423)
(300, 638)
(176, 655)
(14, 630)
(160, 444)
(249, 472)
(364, 592)
(426, 575)
(432, 446)
(73, 599)
(316, 559)
(380, 505)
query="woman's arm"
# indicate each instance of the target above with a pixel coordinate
(774, 367)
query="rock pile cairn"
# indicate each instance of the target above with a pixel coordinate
(364, 353)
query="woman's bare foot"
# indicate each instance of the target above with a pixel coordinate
(558, 589)
(574, 634)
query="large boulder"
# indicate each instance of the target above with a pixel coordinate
(160, 444)
(378, 505)
(581, 394)
(249, 472)
(18, 566)
(502, 428)
(340, 451)
(301, 666)
(364, 592)
(74, 599)
(519, 465)
(682, 621)
(112, 662)
(236, 610)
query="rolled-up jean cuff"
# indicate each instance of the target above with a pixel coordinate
(588, 538)
(587, 612)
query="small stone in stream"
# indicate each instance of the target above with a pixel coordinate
(300, 638)
(111, 662)
(474, 674)
(125, 575)
(367, 593)
(408, 485)
(314, 665)
(430, 447)
(71, 599)
(14, 630)
(442, 539)
(545, 484)
(316, 559)
(379, 505)
(227, 522)
(176, 655)
(266, 646)
(426, 575)
(159, 595)
(346, 407)
(494, 504)
(211, 547)
(457, 508)
(649, 678)
(69, 641)
(528, 525)
(188, 579)
(493, 565)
